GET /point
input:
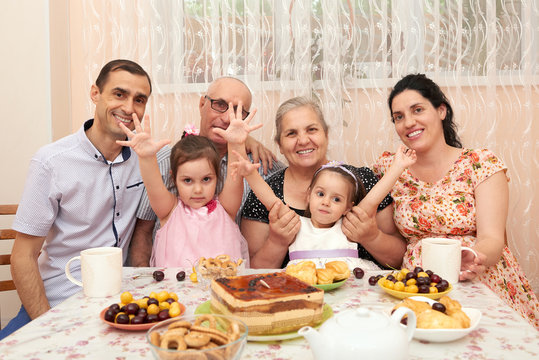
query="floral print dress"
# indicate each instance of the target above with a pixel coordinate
(447, 209)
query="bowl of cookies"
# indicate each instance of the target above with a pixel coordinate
(209, 269)
(205, 336)
(440, 321)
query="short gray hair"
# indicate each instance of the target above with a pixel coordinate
(294, 103)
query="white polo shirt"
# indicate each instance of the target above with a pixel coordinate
(78, 200)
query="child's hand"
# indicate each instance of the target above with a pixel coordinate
(141, 142)
(242, 167)
(238, 130)
(404, 157)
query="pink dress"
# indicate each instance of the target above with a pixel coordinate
(447, 209)
(193, 233)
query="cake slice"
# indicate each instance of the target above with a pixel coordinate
(287, 305)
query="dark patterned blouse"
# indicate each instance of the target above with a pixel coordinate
(255, 210)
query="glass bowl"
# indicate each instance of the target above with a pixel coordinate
(206, 273)
(227, 334)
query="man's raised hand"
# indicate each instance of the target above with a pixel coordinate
(141, 140)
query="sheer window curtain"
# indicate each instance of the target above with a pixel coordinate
(348, 54)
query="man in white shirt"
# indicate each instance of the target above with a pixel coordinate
(82, 191)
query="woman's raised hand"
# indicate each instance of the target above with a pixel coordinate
(238, 130)
(141, 140)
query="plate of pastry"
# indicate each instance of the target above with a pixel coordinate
(332, 286)
(327, 312)
(332, 276)
(442, 321)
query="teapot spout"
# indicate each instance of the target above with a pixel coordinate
(320, 348)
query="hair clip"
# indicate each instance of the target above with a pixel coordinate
(338, 164)
(190, 129)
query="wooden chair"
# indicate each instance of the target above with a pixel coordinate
(7, 234)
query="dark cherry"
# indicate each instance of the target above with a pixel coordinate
(152, 318)
(438, 307)
(359, 273)
(163, 315)
(115, 308)
(378, 277)
(170, 300)
(410, 275)
(372, 281)
(418, 269)
(131, 309)
(122, 319)
(435, 278)
(142, 312)
(423, 281)
(423, 289)
(110, 315)
(137, 320)
(153, 301)
(158, 275)
(390, 277)
(440, 287)
(444, 284)
(180, 276)
(429, 272)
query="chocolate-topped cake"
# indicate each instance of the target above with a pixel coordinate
(286, 305)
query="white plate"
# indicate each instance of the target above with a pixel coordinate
(446, 335)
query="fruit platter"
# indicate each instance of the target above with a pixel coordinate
(141, 314)
(405, 283)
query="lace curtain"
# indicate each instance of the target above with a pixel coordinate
(348, 54)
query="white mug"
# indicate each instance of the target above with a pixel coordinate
(101, 271)
(443, 257)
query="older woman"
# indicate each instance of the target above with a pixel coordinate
(452, 192)
(302, 136)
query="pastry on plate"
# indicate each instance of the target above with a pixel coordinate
(341, 269)
(325, 276)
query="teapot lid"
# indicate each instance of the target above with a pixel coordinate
(362, 319)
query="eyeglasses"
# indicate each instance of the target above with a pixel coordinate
(222, 106)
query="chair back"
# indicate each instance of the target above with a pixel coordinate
(7, 234)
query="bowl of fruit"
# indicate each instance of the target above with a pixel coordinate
(404, 283)
(203, 336)
(141, 314)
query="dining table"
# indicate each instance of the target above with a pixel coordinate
(74, 329)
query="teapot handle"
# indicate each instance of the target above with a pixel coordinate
(399, 314)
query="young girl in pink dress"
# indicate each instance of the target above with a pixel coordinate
(195, 223)
(453, 192)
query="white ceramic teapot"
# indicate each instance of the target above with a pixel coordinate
(362, 334)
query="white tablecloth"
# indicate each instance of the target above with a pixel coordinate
(73, 329)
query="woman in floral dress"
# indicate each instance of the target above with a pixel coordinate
(453, 192)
